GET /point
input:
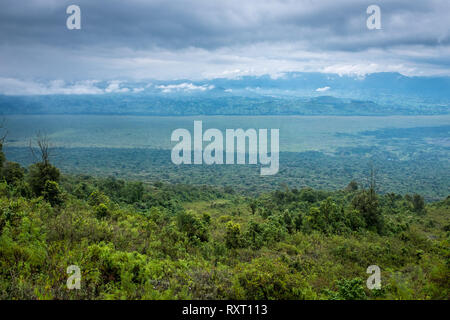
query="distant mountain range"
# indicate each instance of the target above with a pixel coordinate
(292, 93)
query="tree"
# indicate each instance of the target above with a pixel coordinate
(2, 140)
(52, 193)
(42, 171)
(308, 194)
(418, 203)
(254, 235)
(133, 192)
(366, 202)
(352, 186)
(101, 211)
(113, 187)
(233, 235)
(97, 197)
(350, 289)
(83, 190)
(253, 206)
(12, 172)
(39, 174)
(192, 226)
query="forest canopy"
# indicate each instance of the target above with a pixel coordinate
(154, 240)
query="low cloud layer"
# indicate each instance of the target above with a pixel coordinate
(185, 86)
(323, 89)
(192, 39)
(11, 86)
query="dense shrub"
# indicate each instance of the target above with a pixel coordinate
(193, 226)
(160, 241)
(39, 174)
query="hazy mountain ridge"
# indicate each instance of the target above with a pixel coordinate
(293, 93)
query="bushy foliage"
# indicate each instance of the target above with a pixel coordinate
(193, 226)
(52, 193)
(39, 174)
(161, 241)
(366, 202)
(233, 237)
(13, 172)
(349, 289)
(264, 279)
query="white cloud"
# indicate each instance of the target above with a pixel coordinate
(363, 69)
(114, 87)
(323, 89)
(11, 86)
(185, 86)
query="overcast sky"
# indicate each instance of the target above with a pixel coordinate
(197, 39)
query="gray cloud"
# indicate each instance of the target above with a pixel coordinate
(11, 86)
(195, 39)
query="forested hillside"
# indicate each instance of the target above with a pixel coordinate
(136, 240)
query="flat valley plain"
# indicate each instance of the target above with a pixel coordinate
(410, 154)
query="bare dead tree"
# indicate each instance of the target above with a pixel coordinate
(373, 182)
(4, 133)
(370, 181)
(43, 144)
(373, 178)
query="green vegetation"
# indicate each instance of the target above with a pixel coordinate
(136, 240)
(411, 154)
(428, 176)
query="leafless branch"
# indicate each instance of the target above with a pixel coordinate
(3, 136)
(43, 144)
